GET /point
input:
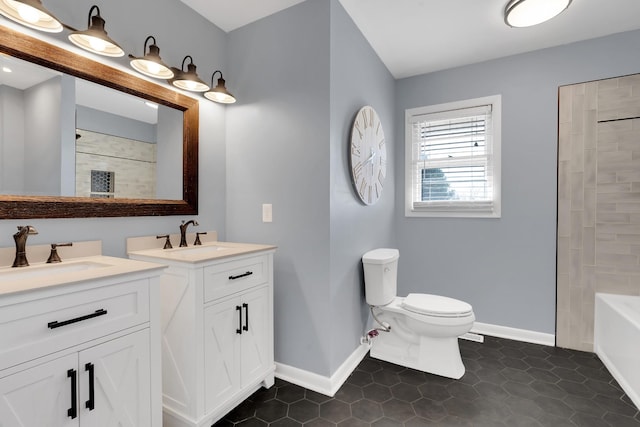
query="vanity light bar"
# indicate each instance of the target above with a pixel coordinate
(32, 14)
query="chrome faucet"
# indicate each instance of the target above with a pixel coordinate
(183, 232)
(21, 245)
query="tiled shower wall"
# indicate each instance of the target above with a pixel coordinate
(598, 201)
(132, 162)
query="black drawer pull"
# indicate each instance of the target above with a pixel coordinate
(91, 403)
(73, 411)
(239, 329)
(246, 316)
(248, 273)
(56, 324)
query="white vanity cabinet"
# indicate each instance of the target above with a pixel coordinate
(82, 353)
(217, 329)
(236, 345)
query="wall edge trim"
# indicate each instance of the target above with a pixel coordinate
(330, 385)
(515, 334)
(320, 383)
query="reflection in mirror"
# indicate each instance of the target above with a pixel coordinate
(124, 137)
(40, 171)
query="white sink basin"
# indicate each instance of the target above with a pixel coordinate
(194, 254)
(197, 251)
(19, 273)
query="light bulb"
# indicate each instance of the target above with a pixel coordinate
(190, 85)
(28, 13)
(533, 12)
(97, 44)
(153, 67)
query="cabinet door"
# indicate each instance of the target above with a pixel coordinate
(255, 354)
(40, 396)
(114, 383)
(222, 329)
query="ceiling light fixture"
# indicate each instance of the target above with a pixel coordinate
(95, 38)
(188, 80)
(219, 93)
(151, 64)
(525, 13)
(30, 13)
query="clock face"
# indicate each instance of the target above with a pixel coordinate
(368, 155)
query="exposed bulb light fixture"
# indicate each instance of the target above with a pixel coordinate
(525, 13)
(188, 80)
(150, 64)
(95, 38)
(30, 13)
(219, 93)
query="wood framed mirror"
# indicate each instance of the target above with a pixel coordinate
(23, 206)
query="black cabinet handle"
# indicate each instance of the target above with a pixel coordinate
(246, 316)
(239, 310)
(56, 324)
(248, 273)
(73, 411)
(90, 404)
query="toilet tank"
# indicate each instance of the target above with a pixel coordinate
(380, 275)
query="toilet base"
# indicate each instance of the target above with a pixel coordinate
(439, 356)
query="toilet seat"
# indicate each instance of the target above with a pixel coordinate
(436, 305)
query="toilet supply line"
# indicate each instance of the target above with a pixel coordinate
(373, 333)
(385, 326)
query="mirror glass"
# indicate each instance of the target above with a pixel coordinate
(108, 144)
(81, 139)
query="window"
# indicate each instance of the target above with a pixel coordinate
(453, 159)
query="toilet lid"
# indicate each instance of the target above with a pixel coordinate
(436, 305)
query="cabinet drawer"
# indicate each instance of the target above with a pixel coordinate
(41, 326)
(234, 276)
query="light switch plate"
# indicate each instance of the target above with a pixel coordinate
(267, 212)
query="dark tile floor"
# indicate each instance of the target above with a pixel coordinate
(507, 383)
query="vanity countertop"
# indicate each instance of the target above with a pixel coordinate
(206, 252)
(76, 270)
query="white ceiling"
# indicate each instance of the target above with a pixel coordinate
(419, 36)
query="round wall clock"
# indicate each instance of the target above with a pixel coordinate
(368, 155)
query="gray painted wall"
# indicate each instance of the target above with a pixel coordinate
(301, 75)
(112, 124)
(358, 78)
(278, 153)
(504, 267)
(179, 31)
(11, 138)
(169, 154)
(43, 131)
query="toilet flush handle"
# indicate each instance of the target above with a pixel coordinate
(387, 269)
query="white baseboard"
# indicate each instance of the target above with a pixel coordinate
(318, 383)
(514, 334)
(330, 385)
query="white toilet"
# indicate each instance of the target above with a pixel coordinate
(424, 329)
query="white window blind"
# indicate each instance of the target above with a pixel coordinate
(454, 160)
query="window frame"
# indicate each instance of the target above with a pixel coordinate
(467, 209)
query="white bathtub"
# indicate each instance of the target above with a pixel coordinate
(616, 339)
